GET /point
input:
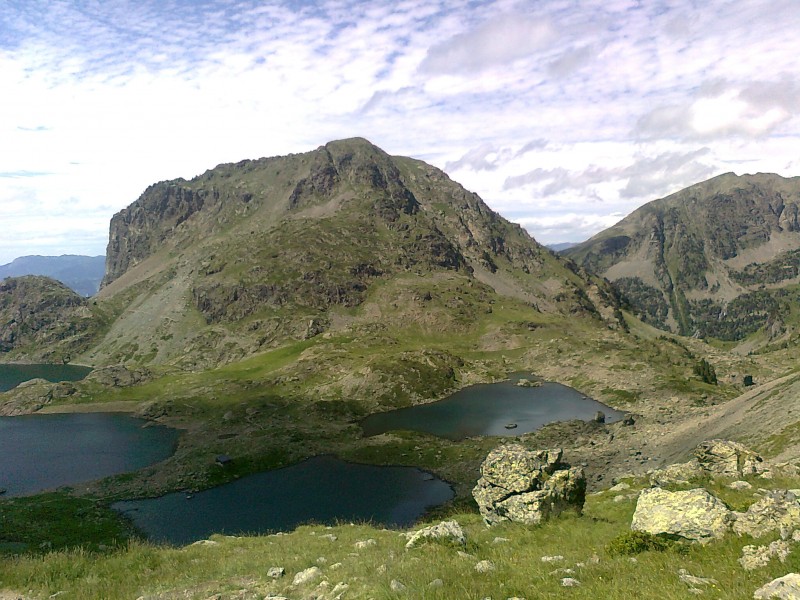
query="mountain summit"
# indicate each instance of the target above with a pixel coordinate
(709, 260)
(248, 255)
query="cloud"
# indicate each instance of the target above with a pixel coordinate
(572, 61)
(545, 109)
(570, 226)
(724, 108)
(644, 176)
(496, 42)
(23, 173)
(485, 157)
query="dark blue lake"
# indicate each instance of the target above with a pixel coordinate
(12, 375)
(487, 409)
(323, 489)
(40, 452)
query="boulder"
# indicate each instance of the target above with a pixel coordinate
(779, 509)
(526, 486)
(783, 588)
(676, 474)
(447, 531)
(728, 459)
(756, 557)
(693, 514)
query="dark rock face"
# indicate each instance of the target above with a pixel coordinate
(43, 319)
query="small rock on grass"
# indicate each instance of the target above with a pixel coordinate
(740, 485)
(552, 559)
(484, 566)
(449, 531)
(397, 586)
(569, 582)
(307, 576)
(688, 579)
(365, 544)
(276, 572)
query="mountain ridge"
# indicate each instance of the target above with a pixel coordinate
(682, 261)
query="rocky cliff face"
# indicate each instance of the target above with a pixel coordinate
(266, 247)
(42, 319)
(695, 262)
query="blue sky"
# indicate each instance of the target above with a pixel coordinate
(563, 115)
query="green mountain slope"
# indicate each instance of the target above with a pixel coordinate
(716, 259)
(248, 256)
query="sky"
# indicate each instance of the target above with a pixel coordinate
(563, 115)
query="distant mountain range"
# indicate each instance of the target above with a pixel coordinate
(561, 246)
(83, 274)
(719, 259)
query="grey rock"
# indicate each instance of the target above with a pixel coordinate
(485, 566)
(779, 509)
(728, 459)
(276, 572)
(693, 514)
(307, 576)
(569, 582)
(756, 557)
(449, 531)
(397, 586)
(677, 474)
(740, 485)
(782, 588)
(526, 486)
(692, 580)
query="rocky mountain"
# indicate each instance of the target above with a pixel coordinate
(43, 320)
(82, 274)
(718, 259)
(251, 254)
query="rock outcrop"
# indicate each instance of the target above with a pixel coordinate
(694, 515)
(728, 459)
(713, 458)
(526, 486)
(779, 510)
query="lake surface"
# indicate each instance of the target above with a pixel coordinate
(486, 409)
(12, 375)
(323, 489)
(39, 452)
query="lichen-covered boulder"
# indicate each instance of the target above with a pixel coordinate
(446, 531)
(678, 473)
(779, 509)
(783, 588)
(693, 514)
(728, 459)
(526, 486)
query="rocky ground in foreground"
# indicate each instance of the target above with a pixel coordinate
(621, 545)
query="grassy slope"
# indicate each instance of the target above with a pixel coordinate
(235, 567)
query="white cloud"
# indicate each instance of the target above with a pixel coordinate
(495, 43)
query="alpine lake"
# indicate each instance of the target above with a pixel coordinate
(47, 451)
